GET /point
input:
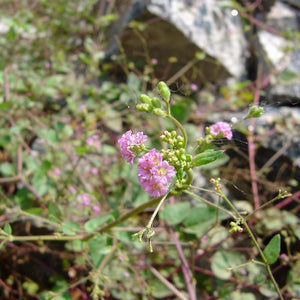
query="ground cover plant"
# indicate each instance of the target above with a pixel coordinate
(116, 187)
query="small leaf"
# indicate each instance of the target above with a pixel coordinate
(8, 169)
(287, 76)
(4, 140)
(206, 157)
(272, 250)
(7, 229)
(70, 228)
(222, 260)
(175, 213)
(93, 224)
(100, 246)
(34, 210)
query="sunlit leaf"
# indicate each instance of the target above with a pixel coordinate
(272, 250)
(175, 213)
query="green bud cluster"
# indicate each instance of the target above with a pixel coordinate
(235, 227)
(174, 140)
(176, 154)
(137, 149)
(151, 106)
(164, 91)
(255, 112)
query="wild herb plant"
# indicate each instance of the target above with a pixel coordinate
(70, 204)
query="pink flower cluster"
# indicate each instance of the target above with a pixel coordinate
(85, 200)
(155, 173)
(223, 127)
(94, 141)
(129, 139)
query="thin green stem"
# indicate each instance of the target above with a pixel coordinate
(252, 237)
(106, 228)
(210, 203)
(178, 124)
(223, 196)
(149, 225)
(266, 264)
(16, 238)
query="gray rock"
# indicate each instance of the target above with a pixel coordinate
(282, 55)
(180, 28)
(215, 30)
(295, 3)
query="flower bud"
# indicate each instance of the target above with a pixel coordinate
(164, 91)
(156, 102)
(144, 107)
(159, 112)
(255, 112)
(145, 99)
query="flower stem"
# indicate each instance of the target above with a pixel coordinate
(252, 237)
(210, 203)
(178, 124)
(149, 225)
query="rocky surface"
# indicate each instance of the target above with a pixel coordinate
(281, 54)
(167, 34)
(176, 30)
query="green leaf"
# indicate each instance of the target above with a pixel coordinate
(200, 219)
(158, 289)
(222, 260)
(112, 119)
(287, 76)
(45, 166)
(53, 212)
(49, 135)
(237, 295)
(93, 224)
(8, 169)
(4, 140)
(30, 287)
(99, 248)
(7, 229)
(82, 150)
(181, 110)
(175, 213)
(205, 157)
(272, 250)
(34, 210)
(70, 228)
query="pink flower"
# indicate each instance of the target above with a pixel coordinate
(194, 87)
(129, 139)
(154, 61)
(83, 107)
(72, 190)
(96, 209)
(94, 141)
(94, 171)
(154, 173)
(221, 128)
(57, 172)
(84, 199)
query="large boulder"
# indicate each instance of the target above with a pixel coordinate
(176, 30)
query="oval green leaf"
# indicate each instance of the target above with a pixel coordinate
(206, 157)
(272, 250)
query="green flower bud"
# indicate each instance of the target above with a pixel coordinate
(145, 99)
(255, 112)
(144, 107)
(156, 102)
(164, 91)
(159, 112)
